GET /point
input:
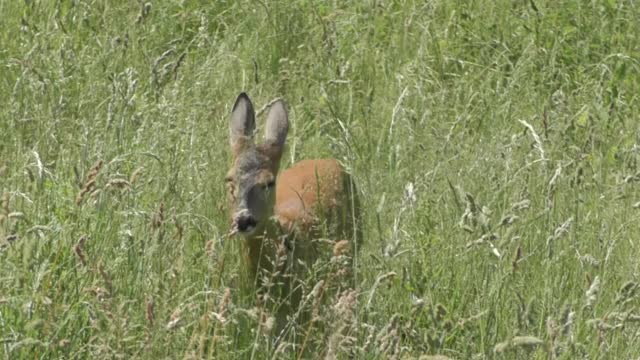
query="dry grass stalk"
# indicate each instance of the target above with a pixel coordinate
(388, 339)
(105, 277)
(158, 217)
(174, 320)
(558, 233)
(625, 317)
(90, 183)
(210, 248)
(267, 323)
(281, 257)
(344, 308)
(16, 215)
(569, 320)
(268, 105)
(377, 283)
(472, 318)
(4, 203)
(552, 187)
(315, 296)
(521, 205)
(121, 184)
(221, 315)
(626, 293)
(588, 259)
(99, 292)
(145, 10)
(517, 256)
(179, 228)
(344, 318)
(134, 175)
(149, 314)
(536, 139)
(553, 333)
(78, 249)
(529, 342)
(94, 194)
(509, 219)
(591, 294)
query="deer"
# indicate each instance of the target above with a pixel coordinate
(281, 217)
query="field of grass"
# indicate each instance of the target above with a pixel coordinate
(494, 144)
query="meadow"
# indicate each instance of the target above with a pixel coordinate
(494, 145)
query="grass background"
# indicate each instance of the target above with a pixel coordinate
(494, 144)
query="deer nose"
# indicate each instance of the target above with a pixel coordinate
(245, 222)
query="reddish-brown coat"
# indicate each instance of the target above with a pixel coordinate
(308, 193)
(305, 189)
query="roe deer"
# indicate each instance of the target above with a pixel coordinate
(283, 216)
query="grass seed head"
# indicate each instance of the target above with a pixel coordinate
(16, 215)
(627, 292)
(4, 203)
(345, 305)
(267, 324)
(78, 249)
(225, 301)
(316, 292)
(526, 341)
(521, 205)
(90, 182)
(149, 316)
(591, 294)
(341, 248)
(121, 184)
(158, 217)
(174, 319)
(135, 175)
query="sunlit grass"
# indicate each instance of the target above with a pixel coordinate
(494, 145)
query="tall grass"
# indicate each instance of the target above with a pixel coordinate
(494, 143)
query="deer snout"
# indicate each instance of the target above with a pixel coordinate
(245, 222)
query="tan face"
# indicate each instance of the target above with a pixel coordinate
(252, 177)
(251, 189)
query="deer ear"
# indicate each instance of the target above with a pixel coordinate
(242, 123)
(277, 126)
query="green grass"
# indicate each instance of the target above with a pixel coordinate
(515, 122)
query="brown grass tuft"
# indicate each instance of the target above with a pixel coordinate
(158, 217)
(149, 310)
(78, 249)
(90, 183)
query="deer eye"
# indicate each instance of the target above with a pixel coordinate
(269, 186)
